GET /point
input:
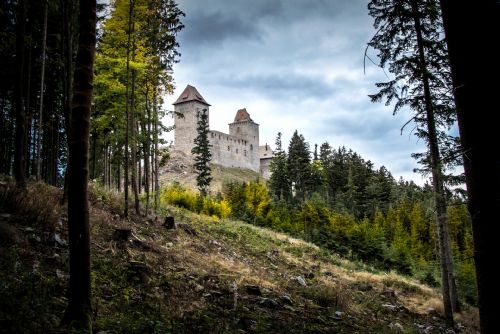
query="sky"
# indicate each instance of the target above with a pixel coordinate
(294, 65)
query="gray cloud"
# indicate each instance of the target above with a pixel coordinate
(214, 28)
(295, 64)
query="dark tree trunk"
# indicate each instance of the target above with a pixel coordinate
(19, 154)
(79, 305)
(133, 126)
(42, 83)
(437, 178)
(475, 73)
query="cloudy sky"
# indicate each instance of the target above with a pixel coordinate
(294, 64)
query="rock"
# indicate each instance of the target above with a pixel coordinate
(169, 223)
(269, 303)
(339, 313)
(253, 290)
(198, 287)
(59, 241)
(289, 308)
(390, 307)
(396, 326)
(285, 299)
(301, 280)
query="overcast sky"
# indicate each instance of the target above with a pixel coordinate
(293, 64)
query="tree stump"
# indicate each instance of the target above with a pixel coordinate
(169, 223)
(122, 234)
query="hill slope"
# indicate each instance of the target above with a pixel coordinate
(206, 276)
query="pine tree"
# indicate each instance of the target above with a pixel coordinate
(202, 157)
(79, 292)
(410, 44)
(299, 169)
(279, 183)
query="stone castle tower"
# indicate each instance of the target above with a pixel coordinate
(239, 148)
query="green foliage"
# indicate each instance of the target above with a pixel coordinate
(202, 154)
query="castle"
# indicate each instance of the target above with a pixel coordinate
(240, 148)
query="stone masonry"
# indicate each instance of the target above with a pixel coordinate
(239, 148)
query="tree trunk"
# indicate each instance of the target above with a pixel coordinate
(437, 179)
(127, 102)
(20, 155)
(42, 83)
(147, 148)
(79, 305)
(157, 185)
(133, 128)
(473, 61)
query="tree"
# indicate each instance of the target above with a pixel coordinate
(279, 184)
(299, 169)
(20, 155)
(473, 63)
(202, 157)
(79, 304)
(409, 42)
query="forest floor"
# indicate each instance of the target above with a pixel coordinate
(205, 276)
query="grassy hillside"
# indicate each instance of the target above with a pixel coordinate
(206, 276)
(179, 169)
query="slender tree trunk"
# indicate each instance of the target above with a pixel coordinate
(133, 128)
(437, 180)
(20, 155)
(147, 148)
(156, 135)
(67, 6)
(42, 83)
(94, 153)
(79, 304)
(29, 114)
(473, 59)
(127, 102)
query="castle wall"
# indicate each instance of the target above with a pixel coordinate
(239, 148)
(249, 131)
(231, 151)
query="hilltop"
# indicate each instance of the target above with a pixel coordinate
(205, 276)
(179, 168)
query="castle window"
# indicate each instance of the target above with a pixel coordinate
(236, 151)
(251, 147)
(219, 136)
(245, 153)
(229, 148)
(238, 129)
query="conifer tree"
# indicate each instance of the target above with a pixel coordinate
(410, 44)
(202, 157)
(279, 184)
(299, 169)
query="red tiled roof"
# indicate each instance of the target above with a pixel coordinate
(242, 115)
(190, 93)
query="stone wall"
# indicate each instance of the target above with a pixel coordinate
(185, 127)
(231, 151)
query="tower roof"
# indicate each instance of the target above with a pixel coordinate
(189, 94)
(242, 115)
